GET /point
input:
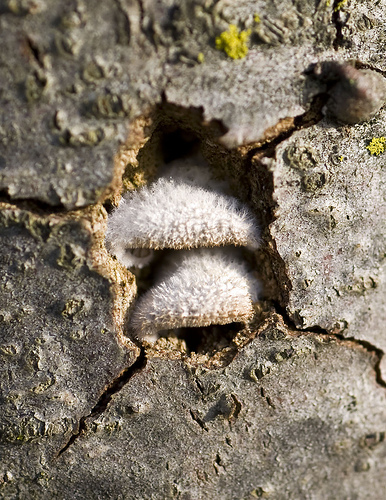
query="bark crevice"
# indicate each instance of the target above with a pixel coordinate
(113, 388)
(368, 346)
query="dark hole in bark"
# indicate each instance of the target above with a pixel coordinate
(179, 144)
(209, 339)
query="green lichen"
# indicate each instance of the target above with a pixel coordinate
(339, 5)
(233, 42)
(377, 145)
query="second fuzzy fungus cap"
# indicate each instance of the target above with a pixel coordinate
(188, 211)
(199, 288)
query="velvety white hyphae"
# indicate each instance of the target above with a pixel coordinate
(200, 288)
(195, 172)
(131, 257)
(178, 214)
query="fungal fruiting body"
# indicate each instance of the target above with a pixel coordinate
(177, 214)
(131, 257)
(187, 211)
(200, 288)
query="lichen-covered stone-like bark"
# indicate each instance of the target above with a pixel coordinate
(61, 337)
(330, 229)
(94, 96)
(259, 427)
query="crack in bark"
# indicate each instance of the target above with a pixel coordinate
(378, 353)
(34, 205)
(199, 385)
(237, 407)
(198, 419)
(113, 388)
(340, 40)
(35, 51)
(141, 12)
(217, 464)
(368, 346)
(125, 16)
(267, 399)
(362, 65)
(309, 118)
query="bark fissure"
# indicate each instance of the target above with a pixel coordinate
(199, 420)
(378, 353)
(142, 13)
(362, 65)
(368, 346)
(34, 205)
(309, 118)
(113, 388)
(35, 52)
(339, 40)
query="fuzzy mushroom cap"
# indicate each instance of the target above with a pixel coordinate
(198, 288)
(177, 213)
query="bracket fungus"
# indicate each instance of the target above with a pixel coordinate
(200, 285)
(198, 288)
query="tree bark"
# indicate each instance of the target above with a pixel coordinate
(95, 96)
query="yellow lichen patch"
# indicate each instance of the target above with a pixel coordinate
(256, 18)
(233, 42)
(377, 145)
(340, 5)
(200, 58)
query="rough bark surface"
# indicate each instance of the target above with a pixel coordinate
(94, 97)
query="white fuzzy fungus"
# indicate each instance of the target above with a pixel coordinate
(200, 288)
(177, 213)
(188, 211)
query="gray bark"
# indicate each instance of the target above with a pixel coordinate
(94, 97)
